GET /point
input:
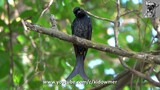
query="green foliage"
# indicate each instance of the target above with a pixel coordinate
(38, 58)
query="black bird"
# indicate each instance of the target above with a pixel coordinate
(81, 27)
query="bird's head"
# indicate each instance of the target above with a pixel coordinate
(78, 12)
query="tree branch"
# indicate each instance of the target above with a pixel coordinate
(117, 78)
(136, 72)
(54, 32)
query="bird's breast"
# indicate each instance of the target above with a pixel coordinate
(80, 28)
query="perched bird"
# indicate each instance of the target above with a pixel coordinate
(81, 27)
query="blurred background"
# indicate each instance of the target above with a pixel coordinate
(34, 58)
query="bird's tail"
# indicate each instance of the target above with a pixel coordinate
(78, 69)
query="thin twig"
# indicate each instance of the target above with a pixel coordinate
(48, 6)
(117, 23)
(53, 22)
(100, 18)
(10, 47)
(128, 12)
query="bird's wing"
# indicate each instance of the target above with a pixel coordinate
(89, 29)
(89, 34)
(73, 32)
(72, 27)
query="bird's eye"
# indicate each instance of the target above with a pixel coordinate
(76, 9)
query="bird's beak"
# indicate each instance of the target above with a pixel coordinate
(78, 12)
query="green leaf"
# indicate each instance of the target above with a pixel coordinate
(35, 84)
(2, 23)
(21, 39)
(16, 78)
(4, 63)
(27, 13)
(2, 3)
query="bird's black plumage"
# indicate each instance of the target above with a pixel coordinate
(81, 27)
